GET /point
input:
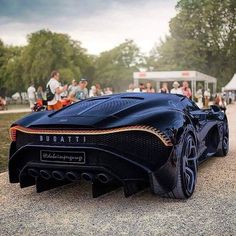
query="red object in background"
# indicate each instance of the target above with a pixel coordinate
(185, 73)
(65, 102)
(142, 74)
(39, 102)
(41, 105)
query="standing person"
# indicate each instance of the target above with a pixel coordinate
(108, 91)
(54, 91)
(130, 89)
(81, 91)
(93, 91)
(140, 89)
(207, 95)
(176, 89)
(186, 90)
(31, 95)
(164, 88)
(99, 90)
(199, 96)
(3, 103)
(39, 93)
(219, 101)
(149, 88)
(73, 86)
(65, 93)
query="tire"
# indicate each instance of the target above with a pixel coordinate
(224, 147)
(186, 169)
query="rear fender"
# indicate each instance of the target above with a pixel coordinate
(173, 124)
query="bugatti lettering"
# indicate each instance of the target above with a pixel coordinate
(54, 156)
(62, 139)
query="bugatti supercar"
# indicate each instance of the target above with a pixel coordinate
(132, 140)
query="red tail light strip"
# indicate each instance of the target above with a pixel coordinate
(12, 134)
(166, 141)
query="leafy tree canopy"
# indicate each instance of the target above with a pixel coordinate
(202, 37)
(47, 51)
(115, 67)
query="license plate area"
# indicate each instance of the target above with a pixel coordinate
(68, 157)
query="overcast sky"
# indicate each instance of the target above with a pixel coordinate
(98, 24)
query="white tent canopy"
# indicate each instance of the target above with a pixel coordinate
(170, 76)
(231, 86)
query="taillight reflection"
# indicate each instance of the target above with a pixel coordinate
(12, 132)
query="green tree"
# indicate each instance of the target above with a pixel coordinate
(115, 67)
(48, 51)
(13, 70)
(2, 63)
(202, 37)
(10, 70)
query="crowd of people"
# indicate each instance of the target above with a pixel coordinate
(58, 96)
(202, 97)
(147, 88)
(55, 95)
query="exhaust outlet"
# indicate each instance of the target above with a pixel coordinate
(33, 172)
(104, 178)
(72, 176)
(87, 176)
(58, 175)
(45, 174)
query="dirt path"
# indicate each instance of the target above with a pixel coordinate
(21, 110)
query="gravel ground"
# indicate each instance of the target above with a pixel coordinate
(70, 210)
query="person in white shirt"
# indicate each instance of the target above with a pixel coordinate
(207, 95)
(56, 89)
(31, 95)
(140, 89)
(131, 88)
(108, 91)
(93, 91)
(176, 89)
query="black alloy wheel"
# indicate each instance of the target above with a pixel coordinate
(189, 166)
(186, 169)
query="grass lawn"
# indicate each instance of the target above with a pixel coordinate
(5, 121)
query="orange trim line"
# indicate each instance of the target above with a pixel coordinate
(166, 141)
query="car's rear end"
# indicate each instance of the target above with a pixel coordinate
(135, 157)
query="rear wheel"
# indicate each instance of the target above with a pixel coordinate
(186, 169)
